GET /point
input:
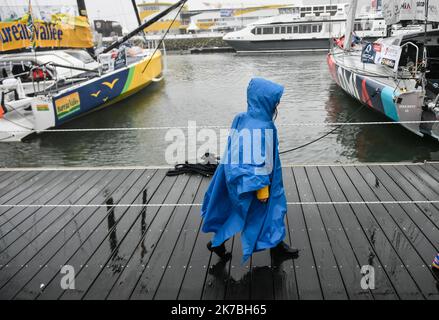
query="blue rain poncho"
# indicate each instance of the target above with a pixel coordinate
(230, 204)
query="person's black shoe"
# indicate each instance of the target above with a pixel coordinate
(282, 249)
(220, 251)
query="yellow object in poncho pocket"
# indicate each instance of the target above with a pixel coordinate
(263, 193)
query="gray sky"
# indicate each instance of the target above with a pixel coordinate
(122, 11)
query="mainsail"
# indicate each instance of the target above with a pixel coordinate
(48, 25)
(396, 11)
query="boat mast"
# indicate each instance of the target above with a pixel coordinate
(136, 10)
(426, 19)
(82, 10)
(350, 25)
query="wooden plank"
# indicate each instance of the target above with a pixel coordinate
(94, 239)
(197, 267)
(392, 223)
(432, 171)
(217, 276)
(238, 283)
(364, 250)
(308, 278)
(424, 176)
(348, 262)
(33, 185)
(17, 219)
(19, 183)
(261, 276)
(5, 175)
(423, 222)
(78, 234)
(386, 258)
(284, 272)
(327, 265)
(434, 165)
(413, 193)
(419, 185)
(163, 242)
(138, 246)
(13, 178)
(107, 252)
(170, 283)
(37, 220)
(35, 257)
(29, 196)
(14, 216)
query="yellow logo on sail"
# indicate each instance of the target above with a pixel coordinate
(111, 84)
(67, 105)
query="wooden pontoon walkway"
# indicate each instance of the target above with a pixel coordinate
(386, 216)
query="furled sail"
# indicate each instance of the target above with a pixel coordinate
(396, 11)
(48, 25)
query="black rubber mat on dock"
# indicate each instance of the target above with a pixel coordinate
(159, 252)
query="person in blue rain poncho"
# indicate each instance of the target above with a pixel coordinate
(246, 193)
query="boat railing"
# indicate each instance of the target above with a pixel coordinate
(409, 43)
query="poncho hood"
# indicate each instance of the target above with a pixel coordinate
(262, 98)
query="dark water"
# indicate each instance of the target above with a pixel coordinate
(211, 89)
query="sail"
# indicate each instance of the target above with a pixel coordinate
(395, 11)
(51, 24)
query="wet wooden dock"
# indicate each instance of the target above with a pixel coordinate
(160, 253)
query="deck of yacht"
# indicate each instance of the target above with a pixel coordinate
(341, 217)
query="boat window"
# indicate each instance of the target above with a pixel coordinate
(267, 30)
(277, 30)
(305, 28)
(283, 30)
(296, 29)
(253, 30)
(290, 29)
(258, 30)
(315, 28)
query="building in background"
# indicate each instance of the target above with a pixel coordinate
(212, 18)
(232, 18)
(148, 10)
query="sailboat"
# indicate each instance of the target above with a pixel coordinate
(397, 76)
(50, 72)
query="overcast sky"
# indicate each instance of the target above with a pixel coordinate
(122, 11)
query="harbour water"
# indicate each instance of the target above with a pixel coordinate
(210, 89)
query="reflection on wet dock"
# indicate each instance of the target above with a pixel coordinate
(350, 217)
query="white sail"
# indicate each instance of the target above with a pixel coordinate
(41, 9)
(395, 11)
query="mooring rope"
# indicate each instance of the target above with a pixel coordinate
(297, 124)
